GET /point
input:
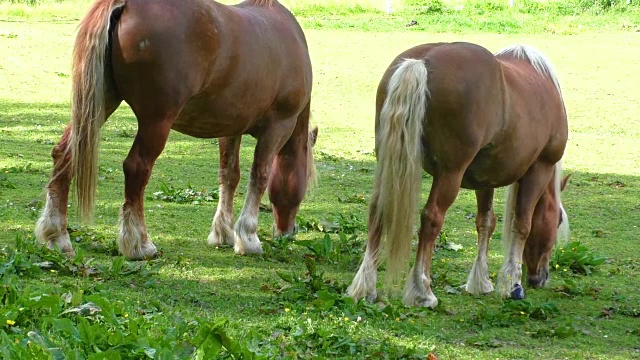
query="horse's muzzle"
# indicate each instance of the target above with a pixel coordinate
(539, 280)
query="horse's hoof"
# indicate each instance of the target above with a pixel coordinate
(518, 292)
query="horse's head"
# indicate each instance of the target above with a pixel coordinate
(292, 174)
(549, 220)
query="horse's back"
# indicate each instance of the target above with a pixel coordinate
(220, 68)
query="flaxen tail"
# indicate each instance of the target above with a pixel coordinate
(398, 173)
(87, 102)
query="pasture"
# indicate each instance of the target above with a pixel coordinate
(288, 302)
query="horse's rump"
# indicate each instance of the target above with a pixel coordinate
(223, 68)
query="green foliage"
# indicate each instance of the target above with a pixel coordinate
(353, 199)
(168, 193)
(6, 183)
(347, 223)
(279, 248)
(311, 287)
(330, 251)
(26, 168)
(425, 7)
(571, 289)
(564, 330)
(309, 224)
(79, 324)
(577, 258)
(514, 312)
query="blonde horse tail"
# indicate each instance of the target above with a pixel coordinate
(563, 229)
(87, 101)
(398, 173)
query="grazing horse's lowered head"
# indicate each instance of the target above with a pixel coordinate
(549, 225)
(285, 204)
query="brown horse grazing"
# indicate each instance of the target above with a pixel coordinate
(475, 120)
(204, 69)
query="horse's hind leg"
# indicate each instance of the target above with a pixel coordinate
(417, 291)
(518, 214)
(51, 228)
(270, 141)
(478, 281)
(133, 240)
(364, 283)
(228, 178)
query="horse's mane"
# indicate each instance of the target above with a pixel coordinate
(264, 2)
(535, 58)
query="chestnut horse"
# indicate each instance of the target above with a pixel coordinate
(204, 69)
(478, 121)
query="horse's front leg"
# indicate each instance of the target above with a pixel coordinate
(521, 201)
(133, 241)
(228, 179)
(269, 143)
(51, 228)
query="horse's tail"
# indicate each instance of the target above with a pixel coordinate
(510, 207)
(398, 172)
(87, 101)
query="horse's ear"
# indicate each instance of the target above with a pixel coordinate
(564, 182)
(313, 136)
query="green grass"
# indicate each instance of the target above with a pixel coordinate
(173, 304)
(457, 16)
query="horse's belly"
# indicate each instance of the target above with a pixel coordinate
(202, 120)
(478, 180)
(493, 172)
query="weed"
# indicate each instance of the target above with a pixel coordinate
(572, 289)
(309, 224)
(168, 193)
(312, 286)
(279, 248)
(353, 199)
(26, 168)
(126, 131)
(627, 310)
(514, 312)
(561, 331)
(348, 223)
(445, 244)
(577, 258)
(6, 183)
(328, 250)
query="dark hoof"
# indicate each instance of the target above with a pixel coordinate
(518, 292)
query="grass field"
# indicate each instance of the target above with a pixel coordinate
(167, 308)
